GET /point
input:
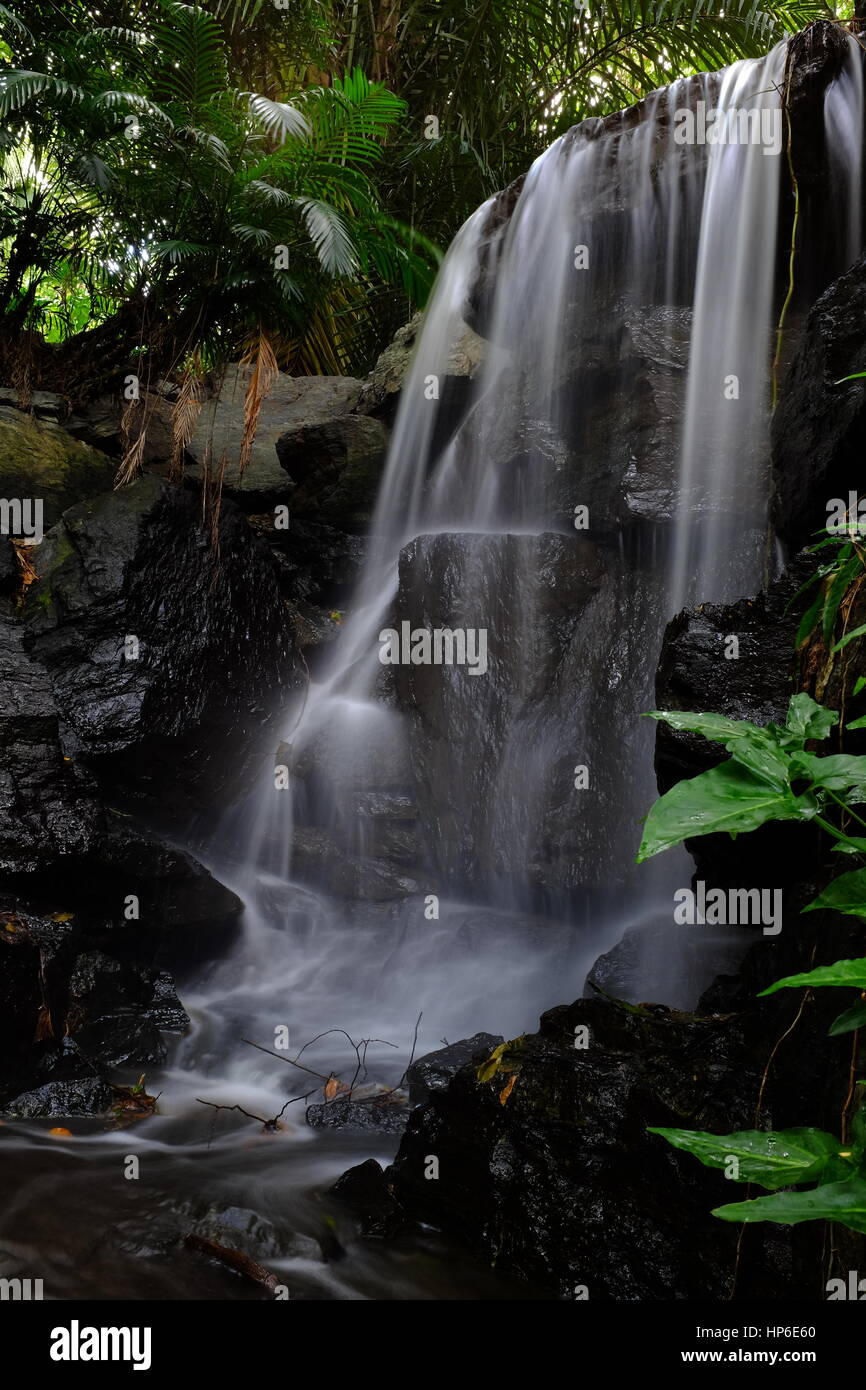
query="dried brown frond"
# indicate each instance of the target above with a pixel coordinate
(260, 357)
(132, 462)
(25, 565)
(184, 415)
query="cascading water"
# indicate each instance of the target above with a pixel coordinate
(456, 844)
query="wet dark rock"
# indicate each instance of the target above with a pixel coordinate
(336, 466)
(694, 673)
(365, 1192)
(240, 1228)
(64, 1082)
(815, 56)
(70, 1011)
(383, 1116)
(819, 426)
(116, 1013)
(563, 1185)
(315, 563)
(434, 1071)
(46, 811)
(56, 835)
(181, 724)
(173, 889)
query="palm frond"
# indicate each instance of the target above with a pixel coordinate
(191, 42)
(278, 118)
(330, 236)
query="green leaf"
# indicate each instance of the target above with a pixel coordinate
(853, 844)
(844, 1202)
(848, 974)
(807, 719)
(846, 1023)
(844, 576)
(713, 726)
(726, 798)
(845, 894)
(861, 722)
(279, 118)
(858, 686)
(768, 1157)
(330, 236)
(849, 637)
(837, 772)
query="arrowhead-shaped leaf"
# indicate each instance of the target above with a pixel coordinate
(771, 1158)
(844, 1202)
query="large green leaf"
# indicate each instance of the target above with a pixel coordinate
(844, 1202)
(771, 1158)
(848, 974)
(726, 798)
(845, 894)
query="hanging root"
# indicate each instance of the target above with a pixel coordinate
(780, 330)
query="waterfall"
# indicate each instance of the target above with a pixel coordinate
(618, 329)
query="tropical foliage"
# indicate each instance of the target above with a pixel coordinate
(771, 775)
(157, 155)
(183, 217)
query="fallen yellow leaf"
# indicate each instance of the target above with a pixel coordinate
(60, 1132)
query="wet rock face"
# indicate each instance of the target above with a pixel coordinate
(694, 673)
(179, 723)
(819, 427)
(46, 810)
(320, 858)
(552, 616)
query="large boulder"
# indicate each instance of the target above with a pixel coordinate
(290, 402)
(335, 465)
(39, 460)
(169, 657)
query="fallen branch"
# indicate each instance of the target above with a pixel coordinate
(235, 1260)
